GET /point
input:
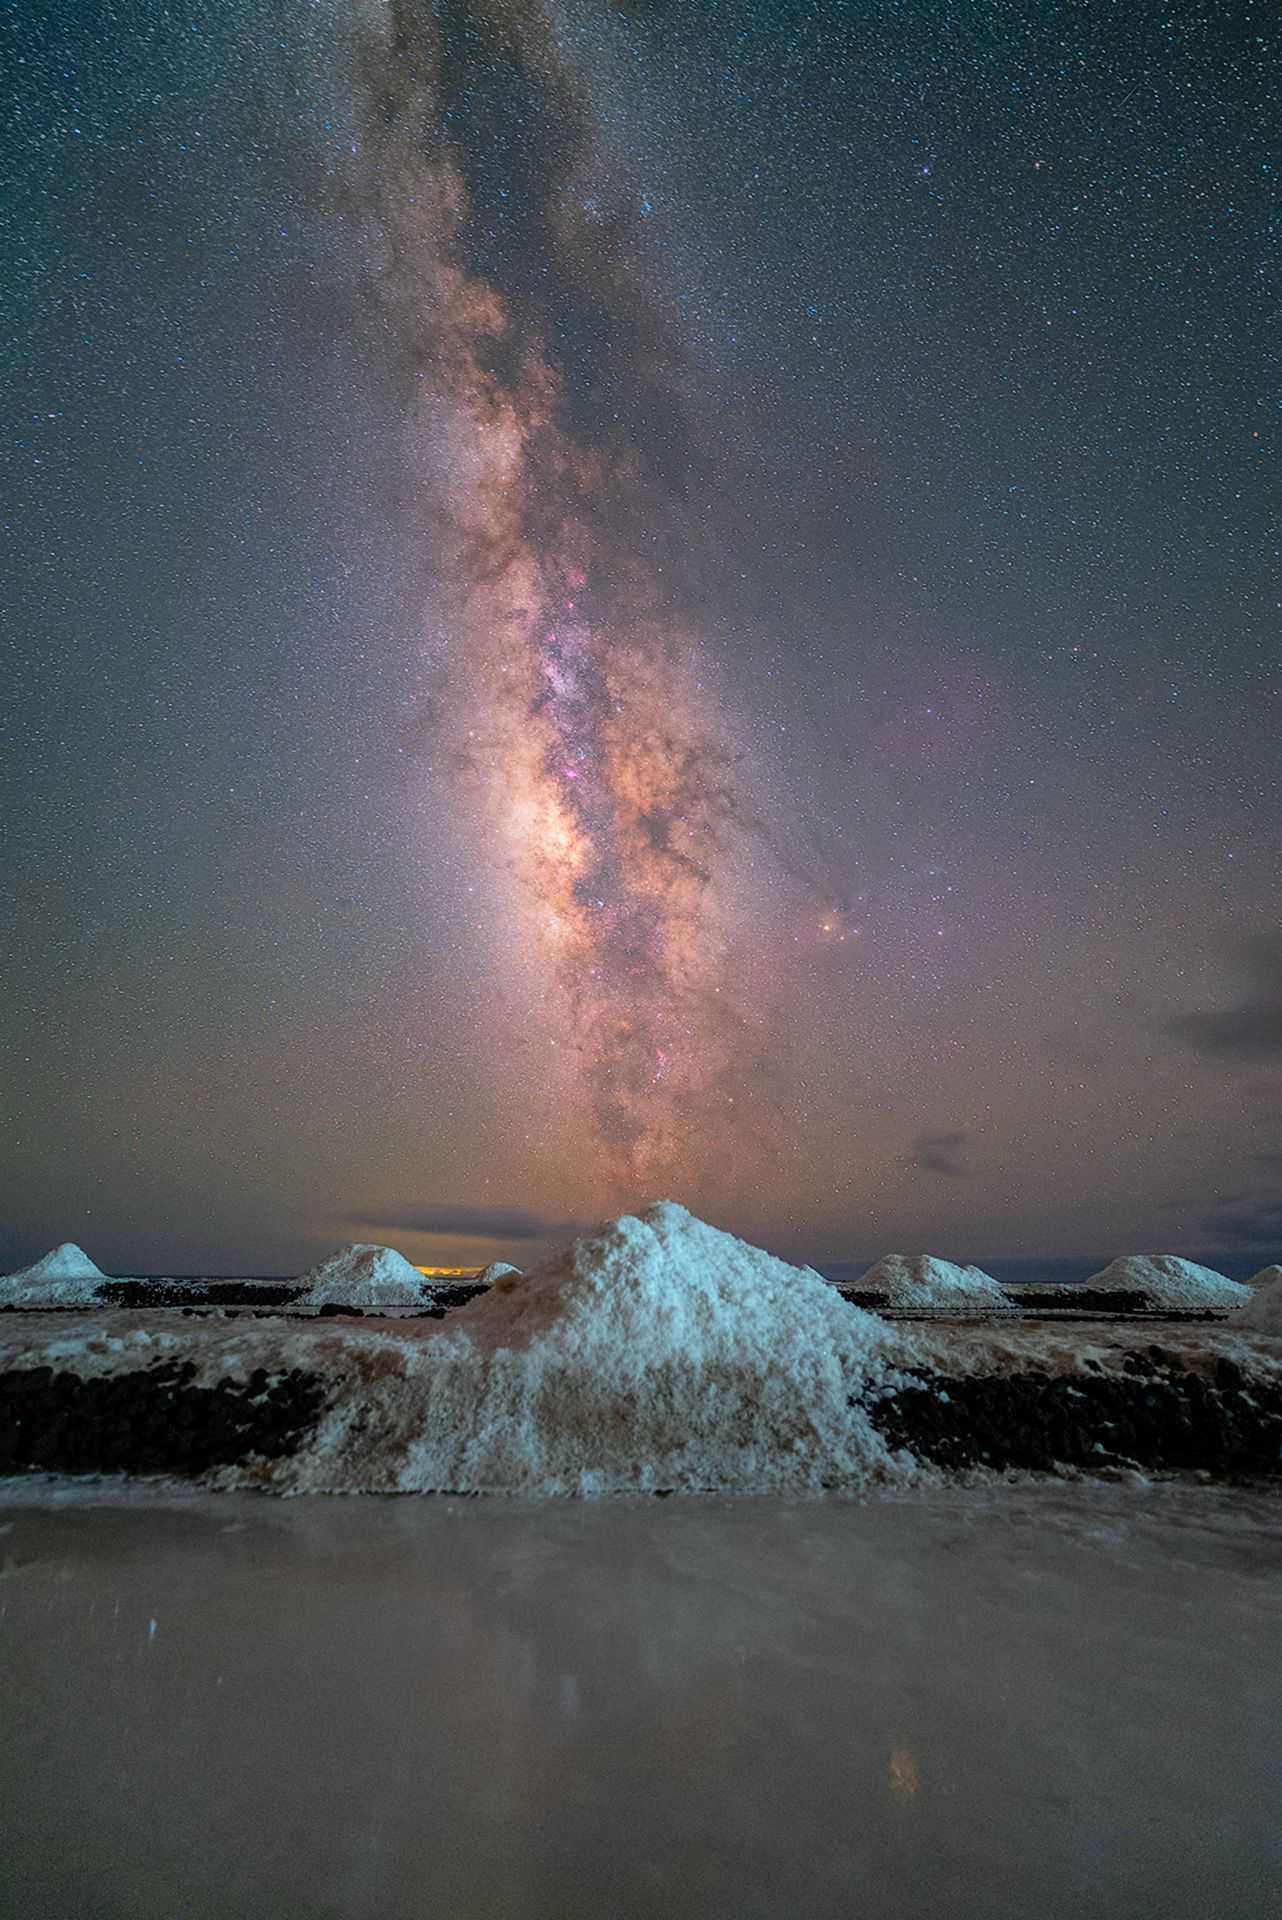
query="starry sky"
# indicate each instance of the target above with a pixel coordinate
(678, 597)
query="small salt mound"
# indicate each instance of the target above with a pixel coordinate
(1263, 1311)
(921, 1283)
(1181, 1286)
(65, 1277)
(362, 1276)
(655, 1353)
(496, 1271)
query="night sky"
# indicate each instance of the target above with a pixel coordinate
(641, 599)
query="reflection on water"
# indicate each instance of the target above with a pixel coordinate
(392, 1708)
(901, 1773)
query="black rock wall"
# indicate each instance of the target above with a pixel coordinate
(1153, 1414)
(154, 1421)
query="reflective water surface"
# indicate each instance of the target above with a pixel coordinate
(1022, 1702)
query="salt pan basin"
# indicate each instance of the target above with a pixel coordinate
(1050, 1700)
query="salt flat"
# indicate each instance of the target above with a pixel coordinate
(1054, 1700)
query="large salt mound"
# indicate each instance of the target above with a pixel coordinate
(65, 1277)
(655, 1353)
(920, 1283)
(362, 1276)
(1263, 1311)
(1181, 1286)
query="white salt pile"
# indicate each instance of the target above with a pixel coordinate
(361, 1275)
(921, 1283)
(655, 1353)
(65, 1277)
(1262, 1313)
(1179, 1286)
(496, 1271)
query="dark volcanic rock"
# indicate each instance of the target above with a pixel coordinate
(1150, 1415)
(454, 1296)
(153, 1421)
(195, 1293)
(335, 1310)
(192, 1295)
(1084, 1302)
(1077, 1300)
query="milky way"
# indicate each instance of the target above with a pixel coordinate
(883, 849)
(597, 749)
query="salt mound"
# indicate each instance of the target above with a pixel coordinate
(361, 1275)
(920, 1283)
(1263, 1311)
(655, 1353)
(64, 1277)
(1181, 1286)
(496, 1271)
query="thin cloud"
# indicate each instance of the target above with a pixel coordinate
(469, 1223)
(1249, 1028)
(941, 1153)
(1257, 1226)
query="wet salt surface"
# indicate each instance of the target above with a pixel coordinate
(1056, 1700)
